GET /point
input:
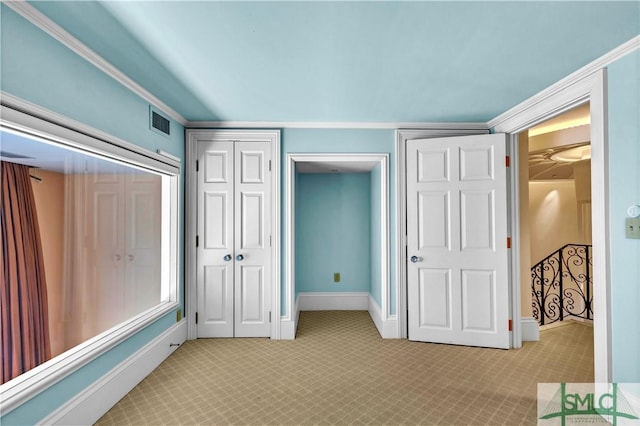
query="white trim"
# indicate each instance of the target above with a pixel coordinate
(388, 328)
(334, 301)
(508, 119)
(289, 327)
(383, 160)
(24, 387)
(191, 224)
(334, 125)
(402, 136)
(190, 232)
(530, 329)
(593, 89)
(513, 217)
(41, 21)
(95, 400)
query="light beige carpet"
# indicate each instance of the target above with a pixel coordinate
(339, 371)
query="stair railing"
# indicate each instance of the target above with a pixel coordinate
(562, 285)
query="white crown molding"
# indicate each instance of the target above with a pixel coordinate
(334, 125)
(41, 21)
(624, 49)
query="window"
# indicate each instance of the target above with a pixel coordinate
(108, 219)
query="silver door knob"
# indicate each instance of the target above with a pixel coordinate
(116, 257)
(414, 259)
(239, 257)
(227, 257)
(130, 257)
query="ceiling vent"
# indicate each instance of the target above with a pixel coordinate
(159, 123)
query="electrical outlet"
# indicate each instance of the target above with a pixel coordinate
(632, 228)
(336, 277)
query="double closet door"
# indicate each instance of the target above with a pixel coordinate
(234, 239)
(122, 240)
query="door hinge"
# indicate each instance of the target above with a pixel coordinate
(196, 317)
(197, 240)
(508, 242)
(510, 325)
(197, 165)
(269, 165)
(508, 161)
(269, 316)
(269, 240)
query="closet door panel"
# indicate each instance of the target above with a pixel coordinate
(143, 234)
(215, 275)
(252, 238)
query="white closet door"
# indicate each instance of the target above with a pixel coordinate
(457, 241)
(252, 239)
(142, 245)
(105, 299)
(215, 276)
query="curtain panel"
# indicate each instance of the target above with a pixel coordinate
(23, 292)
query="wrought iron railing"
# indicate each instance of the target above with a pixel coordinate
(562, 285)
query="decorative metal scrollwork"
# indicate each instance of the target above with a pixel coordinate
(562, 285)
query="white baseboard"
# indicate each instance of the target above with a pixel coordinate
(288, 327)
(530, 329)
(92, 403)
(388, 329)
(337, 301)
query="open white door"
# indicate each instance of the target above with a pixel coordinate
(457, 275)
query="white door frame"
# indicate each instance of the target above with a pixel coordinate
(291, 316)
(191, 218)
(548, 104)
(402, 136)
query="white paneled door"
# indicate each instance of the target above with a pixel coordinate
(234, 239)
(122, 227)
(457, 271)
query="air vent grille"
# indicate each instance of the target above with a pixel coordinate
(159, 123)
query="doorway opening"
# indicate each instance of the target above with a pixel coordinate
(338, 234)
(556, 252)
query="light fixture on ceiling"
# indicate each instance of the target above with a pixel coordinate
(574, 154)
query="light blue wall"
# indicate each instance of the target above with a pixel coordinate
(333, 232)
(37, 68)
(340, 141)
(376, 235)
(624, 191)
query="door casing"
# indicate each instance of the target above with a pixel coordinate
(191, 138)
(566, 95)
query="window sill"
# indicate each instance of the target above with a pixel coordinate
(24, 387)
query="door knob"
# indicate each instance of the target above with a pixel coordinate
(414, 259)
(239, 257)
(116, 257)
(130, 257)
(227, 257)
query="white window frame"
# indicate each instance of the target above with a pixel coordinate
(26, 118)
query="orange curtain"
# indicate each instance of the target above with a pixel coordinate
(23, 297)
